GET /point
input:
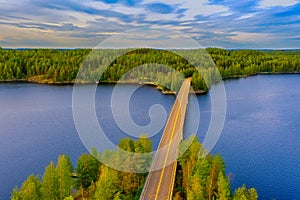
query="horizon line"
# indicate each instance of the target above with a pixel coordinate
(76, 48)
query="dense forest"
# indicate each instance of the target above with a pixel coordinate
(199, 176)
(61, 66)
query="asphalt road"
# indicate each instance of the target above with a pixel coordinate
(160, 183)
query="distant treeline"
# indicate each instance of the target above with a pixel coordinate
(61, 66)
(198, 177)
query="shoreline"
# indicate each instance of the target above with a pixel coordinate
(26, 81)
(151, 84)
(259, 73)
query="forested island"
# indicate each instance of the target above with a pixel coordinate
(53, 66)
(199, 176)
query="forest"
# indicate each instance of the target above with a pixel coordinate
(54, 66)
(199, 176)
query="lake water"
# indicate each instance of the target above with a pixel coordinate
(260, 142)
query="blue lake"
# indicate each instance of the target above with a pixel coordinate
(260, 142)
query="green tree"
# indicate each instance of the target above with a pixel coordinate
(107, 185)
(31, 189)
(64, 171)
(50, 184)
(16, 194)
(126, 144)
(224, 192)
(195, 189)
(198, 181)
(143, 158)
(143, 144)
(212, 186)
(87, 170)
(252, 194)
(243, 193)
(189, 158)
(218, 167)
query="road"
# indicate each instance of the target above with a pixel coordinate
(160, 183)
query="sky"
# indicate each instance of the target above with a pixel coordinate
(243, 24)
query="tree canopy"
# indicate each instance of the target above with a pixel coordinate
(197, 177)
(61, 66)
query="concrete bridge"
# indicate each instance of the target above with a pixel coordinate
(160, 183)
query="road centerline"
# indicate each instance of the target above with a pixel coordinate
(167, 155)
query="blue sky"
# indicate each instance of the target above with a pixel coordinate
(85, 23)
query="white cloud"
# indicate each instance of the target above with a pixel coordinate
(24, 22)
(178, 28)
(96, 4)
(107, 33)
(37, 38)
(194, 7)
(247, 16)
(250, 37)
(273, 3)
(161, 17)
(120, 8)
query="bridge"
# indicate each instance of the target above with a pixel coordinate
(160, 183)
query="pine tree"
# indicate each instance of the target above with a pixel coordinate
(50, 184)
(64, 170)
(107, 185)
(252, 194)
(217, 167)
(87, 170)
(31, 189)
(16, 194)
(223, 187)
(243, 193)
(126, 144)
(143, 142)
(195, 189)
(201, 172)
